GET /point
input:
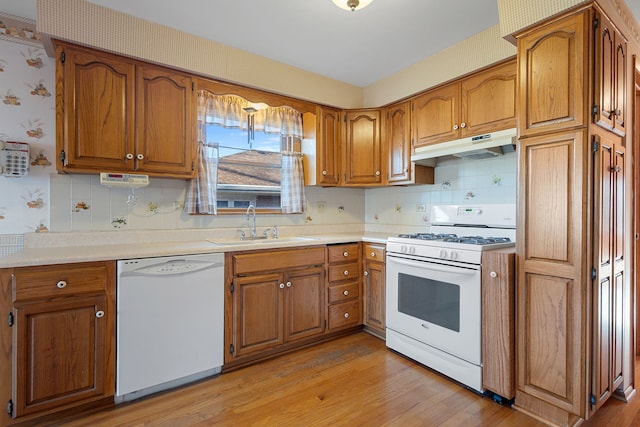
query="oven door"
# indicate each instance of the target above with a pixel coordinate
(435, 303)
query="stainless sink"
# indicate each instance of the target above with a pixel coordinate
(237, 242)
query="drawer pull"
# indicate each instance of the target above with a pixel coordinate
(99, 313)
(61, 284)
(345, 293)
(346, 315)
(366, 273)
(346, 272)
(345, 253)
(373, 254)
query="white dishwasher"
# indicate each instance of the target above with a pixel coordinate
(169, 322)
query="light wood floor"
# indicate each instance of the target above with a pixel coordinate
(352, 381)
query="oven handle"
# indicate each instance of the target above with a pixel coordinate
(435, 267)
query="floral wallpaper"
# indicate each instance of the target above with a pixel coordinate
(27, 108)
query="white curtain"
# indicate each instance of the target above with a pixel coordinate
(201, 194)
(292, 198)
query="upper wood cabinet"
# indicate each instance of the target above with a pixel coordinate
(557, 61)
(364, 149)
(401, 170)
(611, 79)
(165, 122)
(115, 114)
(483, 102)
(328, 146)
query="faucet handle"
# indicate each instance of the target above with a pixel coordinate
(275, 231)
(242, 235)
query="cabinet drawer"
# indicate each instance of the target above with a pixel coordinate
(343, 272)
(374, 252)
(244, 263)
(343, 253)
(60, 280)
(339, 293)
(345, 314)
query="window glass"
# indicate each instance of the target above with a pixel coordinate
(249, 168)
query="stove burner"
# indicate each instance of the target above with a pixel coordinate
(470, 240)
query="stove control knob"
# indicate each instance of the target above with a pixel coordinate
(443, 253)
(403, 249)
(454, 255)
(412, 250)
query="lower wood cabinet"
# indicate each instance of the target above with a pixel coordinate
(344, 286)
(373, 283)
(273, 299)
(498, 322)
(59, 340)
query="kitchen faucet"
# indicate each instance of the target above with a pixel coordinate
(253, 224)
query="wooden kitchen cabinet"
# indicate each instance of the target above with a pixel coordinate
(274, 299)
(328, 146)
(609, 285)
(611, 78)
(574, 293)
(115, 114)
(481, 103)
(62, 354)
(558, 61)
(363, 148)
(498, 322)
(373, 283)
(401, 170)
(344, 287)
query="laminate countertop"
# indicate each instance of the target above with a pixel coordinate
(63, 254)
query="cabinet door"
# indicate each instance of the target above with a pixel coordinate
(374, 295)
(363, 148)
(620, 88)
(488, 101)
(552, 270)
(605, 49)
(304, 303)
(553, 69)
(608, 285)
(435, 116)
(611, 76)
(258, 303)
(328, 147)
(498, 322)
(61, 353)
(94, 110)
(166, 122)
(399, 141)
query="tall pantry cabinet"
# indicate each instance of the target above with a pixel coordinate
(574, 322)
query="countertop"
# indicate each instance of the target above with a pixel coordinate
(48, 255)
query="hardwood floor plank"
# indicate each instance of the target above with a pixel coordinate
(352, 381)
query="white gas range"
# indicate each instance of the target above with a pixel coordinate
(433, 307)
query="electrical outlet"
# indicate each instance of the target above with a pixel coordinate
(321, 206)
(421, 207)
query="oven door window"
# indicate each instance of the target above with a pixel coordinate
(430, 300)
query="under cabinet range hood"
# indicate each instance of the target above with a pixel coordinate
(476, 147)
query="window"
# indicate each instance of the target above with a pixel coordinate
(247, 156)
(249, 170)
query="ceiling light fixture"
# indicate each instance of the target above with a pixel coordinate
(352, 5)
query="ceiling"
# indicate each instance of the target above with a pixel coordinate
(359, 47)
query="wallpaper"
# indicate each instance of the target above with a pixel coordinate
(27, 109)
